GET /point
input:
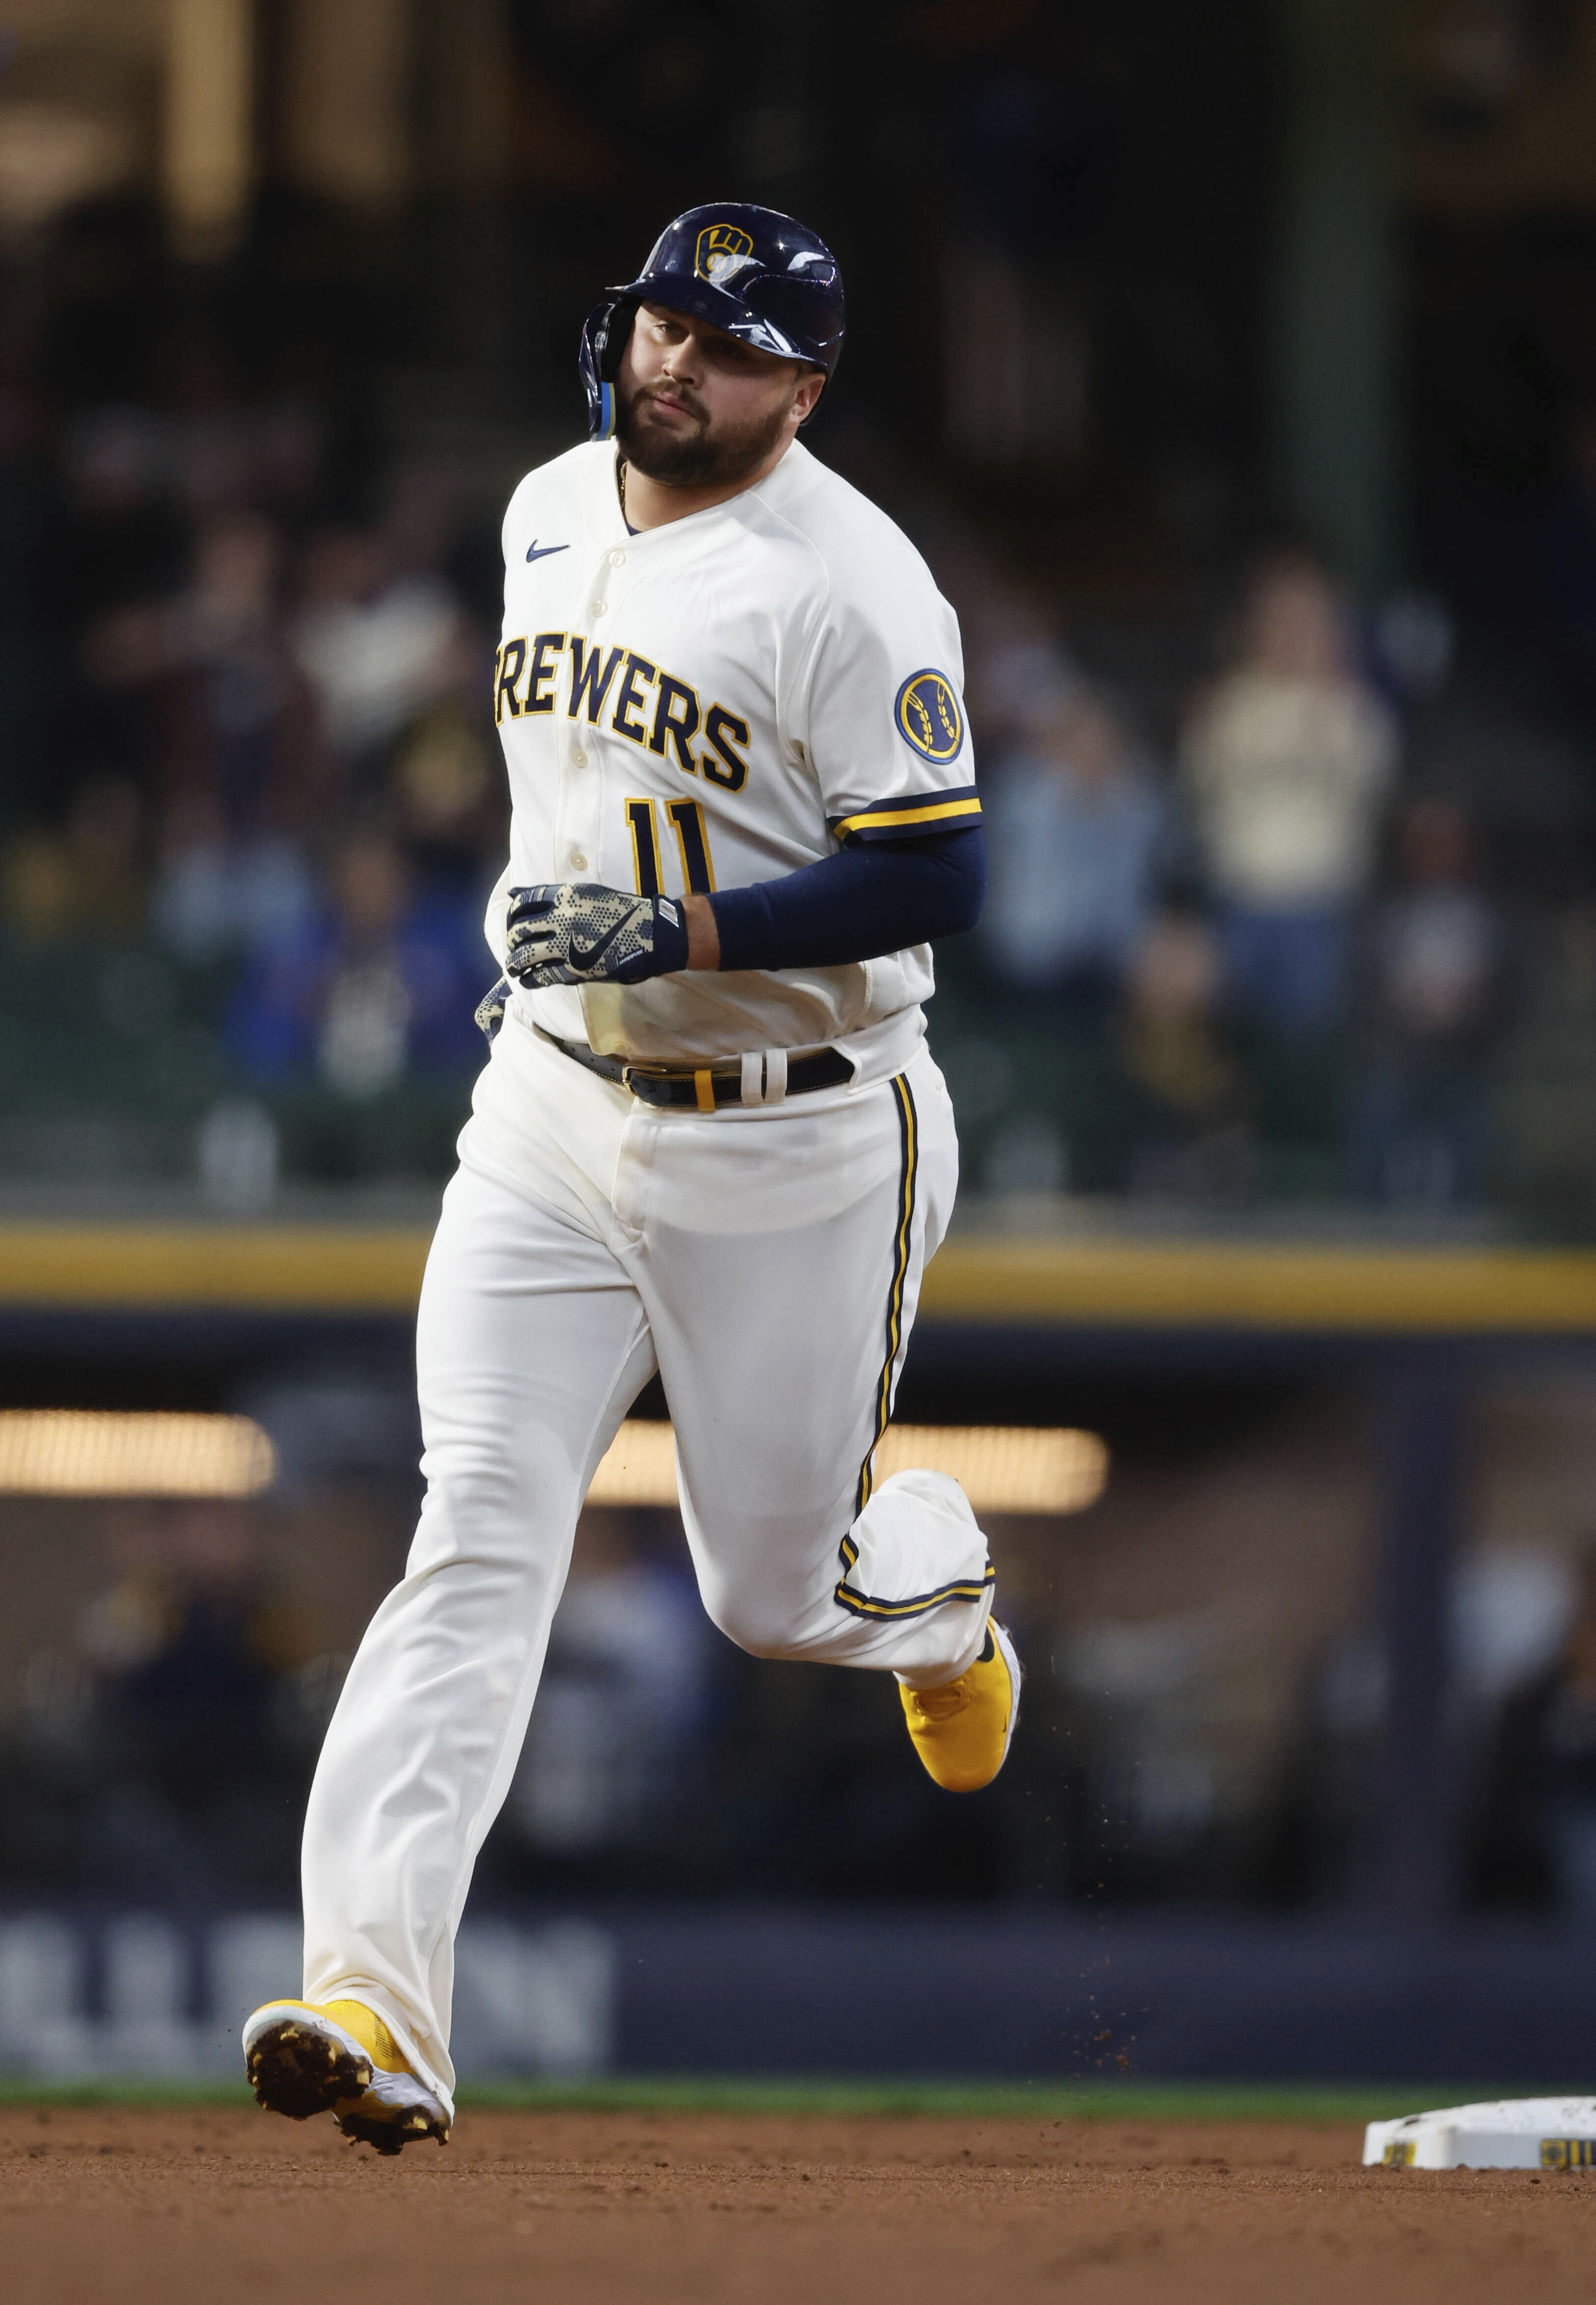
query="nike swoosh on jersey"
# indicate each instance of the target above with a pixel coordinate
(536, 552)
(583, 956)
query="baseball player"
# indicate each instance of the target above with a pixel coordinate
(709, 1141)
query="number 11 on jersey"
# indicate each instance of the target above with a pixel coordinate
(692, 845)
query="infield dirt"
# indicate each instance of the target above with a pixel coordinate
(152, 2207)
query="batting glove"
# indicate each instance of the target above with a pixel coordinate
(491, 1009)
(576, 933)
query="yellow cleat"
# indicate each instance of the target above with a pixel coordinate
(306, 2057)
(963, 1730)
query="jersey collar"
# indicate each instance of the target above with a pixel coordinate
(774, 486)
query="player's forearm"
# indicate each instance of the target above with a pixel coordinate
(703, 933)
(855, 906)
(871, 898)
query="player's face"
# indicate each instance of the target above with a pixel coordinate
(699, 409)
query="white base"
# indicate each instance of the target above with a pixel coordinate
(1522, 2132)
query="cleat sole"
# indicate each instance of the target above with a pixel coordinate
(301, 2062)
(391, 2137)
(298, 2071)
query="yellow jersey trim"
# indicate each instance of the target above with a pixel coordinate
(932, 813)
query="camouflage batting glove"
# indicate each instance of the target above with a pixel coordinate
(576, 933)
(491, 1009)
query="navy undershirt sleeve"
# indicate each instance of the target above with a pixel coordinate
(862, 902)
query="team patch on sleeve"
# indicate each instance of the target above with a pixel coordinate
(909, 814)
(928, 716)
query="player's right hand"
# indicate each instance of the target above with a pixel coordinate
(579, 933)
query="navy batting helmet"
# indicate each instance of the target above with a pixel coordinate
(758, 275)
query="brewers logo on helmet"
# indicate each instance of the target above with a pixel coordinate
(723, 250)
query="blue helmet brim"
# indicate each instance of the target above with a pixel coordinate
(704, 302)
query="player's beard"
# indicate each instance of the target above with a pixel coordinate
(701, 459)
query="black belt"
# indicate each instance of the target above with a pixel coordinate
(705, 1086)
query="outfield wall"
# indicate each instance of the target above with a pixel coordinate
(826, 1991)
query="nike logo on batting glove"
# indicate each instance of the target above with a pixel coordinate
(577, 932)
(585, 957)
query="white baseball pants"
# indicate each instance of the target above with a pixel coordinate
(767, 1261)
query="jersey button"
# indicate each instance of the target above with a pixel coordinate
(579, 760)
(599, 608)
(578, 862)
(617, 560)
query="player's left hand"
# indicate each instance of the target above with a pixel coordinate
(577, 932)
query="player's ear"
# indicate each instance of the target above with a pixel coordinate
(812, 383)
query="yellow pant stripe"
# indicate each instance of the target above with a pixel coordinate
(909, 1136)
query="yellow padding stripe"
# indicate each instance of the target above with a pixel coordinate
(1220, 1284)
(1047, 1283)
(161, 1267)
(876, 818)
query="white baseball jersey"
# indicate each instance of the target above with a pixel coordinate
(716, 702)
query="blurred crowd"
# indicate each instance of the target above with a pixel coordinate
(1271, 963)
(247, 746)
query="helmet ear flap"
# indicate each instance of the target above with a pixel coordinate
(603, 341)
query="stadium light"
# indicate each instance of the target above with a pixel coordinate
(1001, 1467)
(89, 1452)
